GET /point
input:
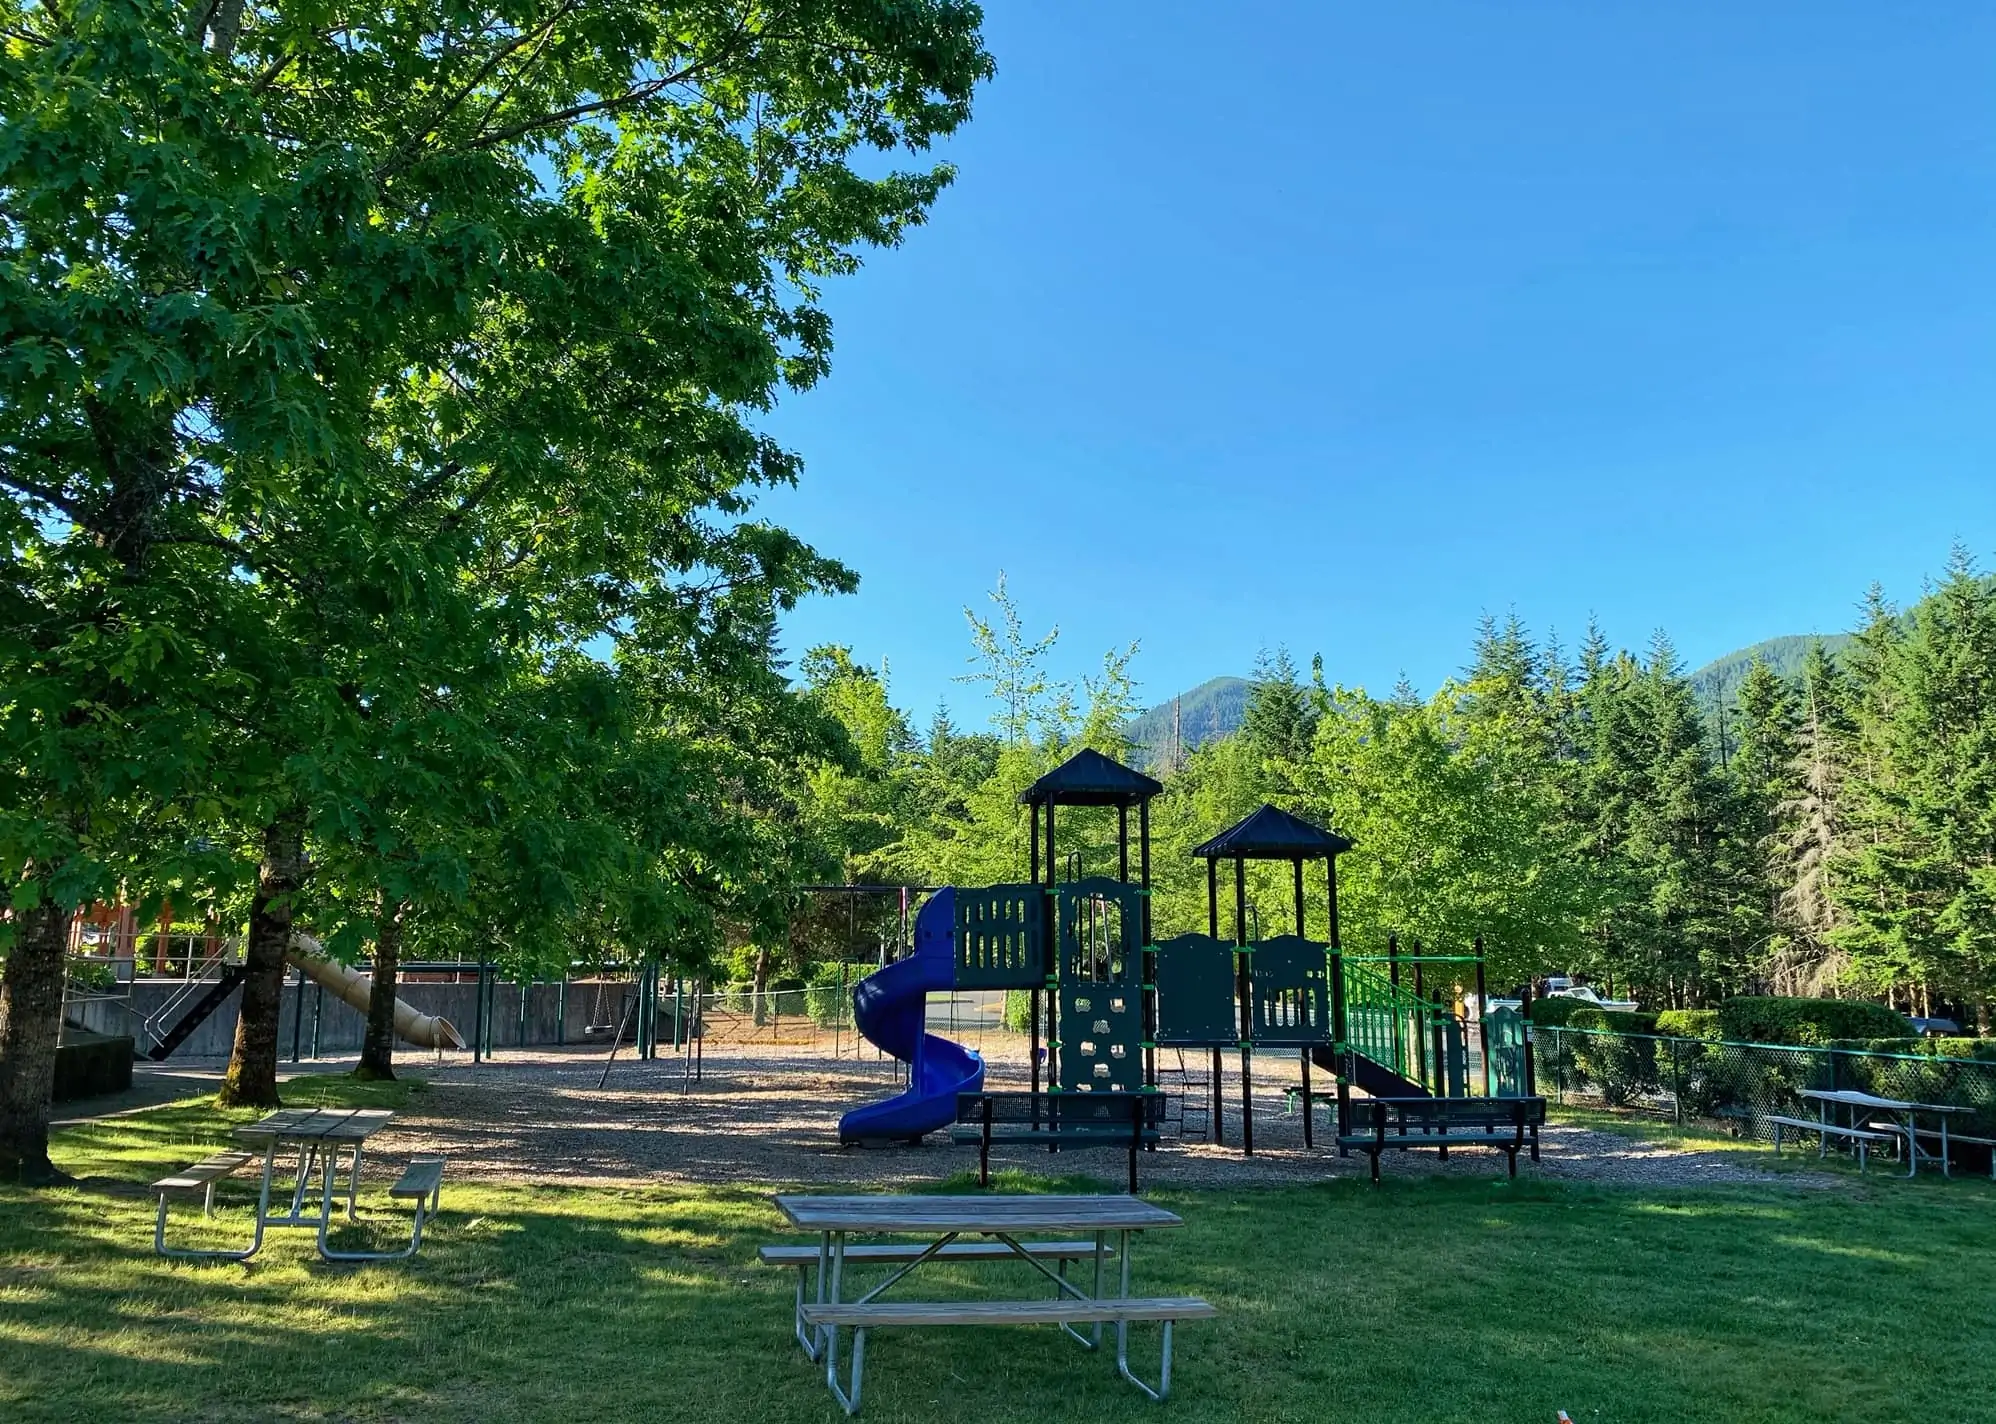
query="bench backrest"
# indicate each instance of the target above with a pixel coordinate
(1062, 1112)
(1444, 1114)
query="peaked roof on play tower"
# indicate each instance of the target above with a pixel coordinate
(1090, 779)
(1271, 834)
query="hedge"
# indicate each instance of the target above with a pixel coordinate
(1688, 1023)
(1751, 1019)
(1981, 1049)
(1557, 1012)
(1619, 1057)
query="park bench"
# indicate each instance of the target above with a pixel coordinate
(202, 1177)
(1862, 1137)
(1405, 1124)
(422, 1182)
(1057, 1121)
(904, 1253)
(1066, 1312)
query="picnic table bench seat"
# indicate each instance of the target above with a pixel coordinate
(1510, 1125)
(901, 1253)
(422, 1182)
(1861, 1137)
(1057, 1121)
(1953, 1136)
(202, 1177)
(1066, 1312)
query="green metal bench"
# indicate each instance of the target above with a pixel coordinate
(1057, 1121)
(1511, 1125)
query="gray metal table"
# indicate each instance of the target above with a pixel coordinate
(320, 1136)
(1006, 1219)
(1902, 1118)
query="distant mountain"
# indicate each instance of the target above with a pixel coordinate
(1215, 707)
(1718, 682)
(1209, 711)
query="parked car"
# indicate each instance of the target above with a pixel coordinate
(1559, 987)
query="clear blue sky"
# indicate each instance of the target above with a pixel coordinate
(1337, 325)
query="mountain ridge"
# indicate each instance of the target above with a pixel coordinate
(1216, 707)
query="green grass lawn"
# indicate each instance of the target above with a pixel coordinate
(1420, 1300)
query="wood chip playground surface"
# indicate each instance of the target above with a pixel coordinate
(767, 1114)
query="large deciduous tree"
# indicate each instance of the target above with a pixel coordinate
(353, 355)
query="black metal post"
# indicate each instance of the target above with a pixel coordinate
(1033, 857)
(1213, 930)
(1421, 1018)
(1531, 1060)
(297, 1016)
(1245, 997)
(1123, 843)
(1148, 963)
(478, 1015)
(1339, 1049)
(561, 1013)
(1482, 1018)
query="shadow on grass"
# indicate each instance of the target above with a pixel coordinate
(1422, 1299)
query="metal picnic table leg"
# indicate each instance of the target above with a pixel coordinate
(353, 1180)
(1912, 1145)
(326, 1198)
(1945, 1171)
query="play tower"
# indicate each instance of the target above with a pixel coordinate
(1103, 995)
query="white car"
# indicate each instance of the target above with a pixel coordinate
(1567, 989)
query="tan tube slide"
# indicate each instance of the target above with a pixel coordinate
(411, 1026)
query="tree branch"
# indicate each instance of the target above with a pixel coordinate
(47, 494)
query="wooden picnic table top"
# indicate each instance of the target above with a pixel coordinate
(1855, 1098)
(317, 1124)
(1008, 1214)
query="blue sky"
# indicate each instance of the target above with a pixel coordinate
(1338, 325)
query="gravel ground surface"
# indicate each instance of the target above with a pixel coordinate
(767, 1115)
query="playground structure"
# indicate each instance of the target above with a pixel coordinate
(1104, 996)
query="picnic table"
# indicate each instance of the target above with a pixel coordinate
(1006, 1223)
(321, 1136)
(1901, 1119)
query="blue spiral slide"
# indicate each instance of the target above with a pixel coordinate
(890, 1008)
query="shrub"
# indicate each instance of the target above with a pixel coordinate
(1614, 1056)
(828, 995)
(1019, 1010)
(1557, 1013)
(1980, 1049)
(1750, 1019)
(1688, 1023)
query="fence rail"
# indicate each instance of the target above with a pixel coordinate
(1742, 1084)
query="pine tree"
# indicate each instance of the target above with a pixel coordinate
(1809, 829)
(1764, 779)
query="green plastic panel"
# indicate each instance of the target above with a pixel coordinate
(1195, 992)
(1101, 986)
(1001, 937)
(1504, 1032)
(1289, 991)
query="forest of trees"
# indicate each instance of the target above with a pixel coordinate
(1830, 834)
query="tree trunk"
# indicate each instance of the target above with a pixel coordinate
(252, 1077)
(760, 988)
(377, 1050)
(30, 1023)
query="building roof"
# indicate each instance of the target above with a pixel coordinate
(1090, 779)
(1269, 834)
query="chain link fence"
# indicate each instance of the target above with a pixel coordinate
(1739, 1085)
